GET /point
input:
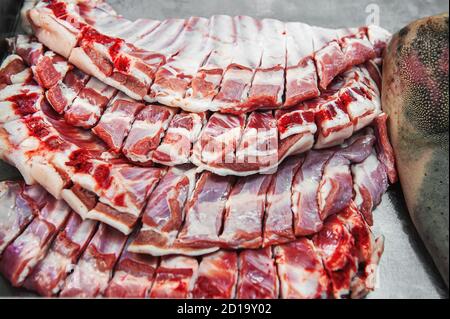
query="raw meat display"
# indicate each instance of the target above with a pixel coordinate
(82, 260)
(227, 64)
(225, 144)
(223, 157)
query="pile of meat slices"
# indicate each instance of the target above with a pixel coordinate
(123, 198)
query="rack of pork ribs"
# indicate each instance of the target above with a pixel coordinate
(150, 171)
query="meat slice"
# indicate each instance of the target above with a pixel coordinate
(28, 48)
(379, 38)
(305, 186)
(257, 275)
(268, 83)
(116, 122)
(176, 146)
(300, 269)
(336, 187)
(278, 220)
(89, 105)
(370, 183)
(123, 200)
(368, 251)
(146, 133)
(133, 275)
(237, 79)
(299, 120)
(23, 254)
(13, 70)
(174, 78)
(175, 277)
(206, 83)
(259, 142)
(245, 213)
(217, 276)
(63, 93)
(16, 212)
(94, 269)
(335, 246)
(50, 69)
(48, 277)
(20, 105)
(164, 213)
(219, 140)
(330, 60)
(356, 46)
(204, 212)
(301, 74)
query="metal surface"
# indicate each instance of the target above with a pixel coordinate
(406, 269)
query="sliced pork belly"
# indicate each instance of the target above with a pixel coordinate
(204, 212)
(330, 60)
(48, 277)
(335, 246)
(94, 269)
(116, 122)
(299, 120)
(28, 48)
(146, 133)
(370, 183)
(336, 187)
(301, 74)
(219, 140)
(206, 83)
(258, 277)
(237, 79)
(368, 250)
(182, 132)
(14, 90)
(278, 221)
(300, 269)
(50, 69)
(133, 275)
(259, 142)
(217, 276)
(87, 108)
(268, 83)
(123, 199)
(164, 213)
(23, 254)
(305, 186)
(356, 46)
(20, 105)
(175, 277)
(243, 221)
(16, 212)
(63, 93)
(173, 78)
(13, 70)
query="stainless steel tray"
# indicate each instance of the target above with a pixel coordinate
(406, 269)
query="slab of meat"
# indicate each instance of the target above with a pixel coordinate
(23, 254)
(257, 275)
(14, 70)
(48, 277)
(229, 64)
(175, 277)
(217, 276)
(94, 269)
